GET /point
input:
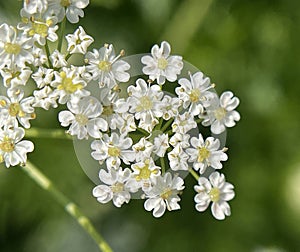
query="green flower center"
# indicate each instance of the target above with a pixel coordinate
(144, 172)
(40, 27)
(81, 119)
(104, 66)
(194, 95)
(145, 104)
(12, 48)
(162, 63)
(214, 194)
(107, 110)
(15, 110)
(203, 154)
(7, 145)
(117, 187)
(220, 113)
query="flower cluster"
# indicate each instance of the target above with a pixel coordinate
(145, 139)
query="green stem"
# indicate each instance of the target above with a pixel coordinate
(61, 35)
(163, 165)
(48, 54)
(145, 133)
(194, 174)
(167, 124)
(47, 133)
(72, 209)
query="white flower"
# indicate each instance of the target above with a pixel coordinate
(215, 190)
(112, 149)
(164, 194)
(84, 118)
(170, 107)
(58, 60)
(35, 6)
(14, 47)
(79, 41)
(13, 150)
(178, 159)
(43, 77)
(106, 67)
(143, 174)
(195, 93)
(206, 153)
(40, 58)
(68, 83)
(161, 65)
(115, 187)
(145, 103)
(143, 149)
(14, 77)
(161, 144)
(180, 139)
(183, 123)
(15, 107)
(45, 98)
(39, 27)
(72, 9)
(222, 114)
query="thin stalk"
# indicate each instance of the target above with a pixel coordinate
(194, 174)
(61, 35)
(163, 165)
(71, 208)
(47, 133)
(145, 133)
(167, 124)
(48, 54)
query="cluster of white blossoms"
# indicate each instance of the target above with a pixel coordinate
(142, 136)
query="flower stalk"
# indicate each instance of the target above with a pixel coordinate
(71, 208)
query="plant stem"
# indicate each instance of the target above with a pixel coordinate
(47, 133)
(194, 174)
(61, 35)
(48, 54)
(72, 209)
(145, 133)
(163, 165)
(167, 124)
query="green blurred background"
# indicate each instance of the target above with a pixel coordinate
(249, 47)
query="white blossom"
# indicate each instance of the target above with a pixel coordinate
(222, 113)
(79, 41)
(106, 67)
(43, 76)
(183, 123)
(206, 153)
(195, 93)
(113, 149)
(170, 107)
(145, 103)
(178, 159)
(83, 118)
(71, 9)
(164, 194)
(35, 6)
(215, 190)
(143, 149)
(45, 98)
(15, 76)
(161, 144)
(160, 65)
(13, 150)
(15, 106)
(58, 59)
(114, 187)
(14, 47)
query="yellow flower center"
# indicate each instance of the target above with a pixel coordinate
(214, 194)
(114, 151)
(117, 187)
(65, 3)
(162, 63)
(81, 119)
(194, 95)
(145, 104)
(40, 28)
(203, 154)
(15, 110)
(7, 145)
(12, 48)
(220, 113)
(67, 84)
(166, 193)
(144, 172)
(104, 66)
